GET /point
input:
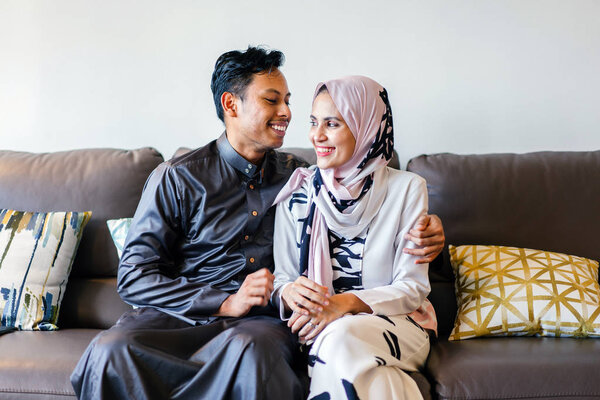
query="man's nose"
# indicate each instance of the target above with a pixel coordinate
(284, 111)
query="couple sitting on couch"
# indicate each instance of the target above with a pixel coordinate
(199, 256)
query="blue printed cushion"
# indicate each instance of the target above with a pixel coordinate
(118, 229)
(36, 254)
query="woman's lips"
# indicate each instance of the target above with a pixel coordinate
(324, 151)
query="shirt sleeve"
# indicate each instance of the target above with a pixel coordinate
(148, 274)
(410, 282)
(286, 254)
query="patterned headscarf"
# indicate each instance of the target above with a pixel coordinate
(347, 198)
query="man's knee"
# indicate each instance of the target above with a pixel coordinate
(112, 342)
(262, 336)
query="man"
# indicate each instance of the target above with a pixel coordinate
(198, 260)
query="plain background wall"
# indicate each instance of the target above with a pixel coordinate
(463, 76)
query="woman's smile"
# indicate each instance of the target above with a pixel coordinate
(324, 151)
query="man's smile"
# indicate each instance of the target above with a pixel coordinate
(280, 127)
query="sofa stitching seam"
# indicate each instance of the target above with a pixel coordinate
(539, 396)
(40, 391)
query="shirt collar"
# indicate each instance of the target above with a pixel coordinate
(236, 161)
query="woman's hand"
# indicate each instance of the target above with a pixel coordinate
(309, 326)
(298, 322)
(428, 235)
(305, 296)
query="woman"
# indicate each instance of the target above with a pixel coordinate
(341, 277)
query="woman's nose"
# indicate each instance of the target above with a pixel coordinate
(318, 133)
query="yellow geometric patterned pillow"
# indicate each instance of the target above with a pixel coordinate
(509, 291)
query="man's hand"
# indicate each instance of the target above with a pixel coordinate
(255, 291)
(428, 235)
(304, 296)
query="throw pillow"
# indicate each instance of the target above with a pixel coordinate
(509, 291)
(36, 254)
(118, 229)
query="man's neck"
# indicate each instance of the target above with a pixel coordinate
(249, 152)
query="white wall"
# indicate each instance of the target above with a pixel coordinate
(463, 76)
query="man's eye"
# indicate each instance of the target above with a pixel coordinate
(272, 101)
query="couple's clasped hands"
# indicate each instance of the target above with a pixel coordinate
(312, 307)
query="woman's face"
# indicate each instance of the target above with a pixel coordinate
(329, 134)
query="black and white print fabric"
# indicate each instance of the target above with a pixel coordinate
(346, 261)
(365, 357)
(346, 254)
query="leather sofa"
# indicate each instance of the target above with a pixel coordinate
(549, 201)
(545, 200)
(37, 365)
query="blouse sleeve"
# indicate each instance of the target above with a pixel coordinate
(286, 253)
(410, 282)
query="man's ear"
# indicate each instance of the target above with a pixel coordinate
(229, 104)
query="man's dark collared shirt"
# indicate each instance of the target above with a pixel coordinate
(204, 222)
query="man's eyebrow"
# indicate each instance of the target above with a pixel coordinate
(277, 92)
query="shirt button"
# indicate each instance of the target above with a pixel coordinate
(251, 260)
(246, 237)
(251, 186)
(255, 213)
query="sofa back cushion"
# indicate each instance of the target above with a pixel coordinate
(544, 200)
(107, 182)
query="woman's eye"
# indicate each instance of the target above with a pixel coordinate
(313, 123)
(332, 124)
(272, 101)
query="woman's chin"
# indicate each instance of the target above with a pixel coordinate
(323, 163)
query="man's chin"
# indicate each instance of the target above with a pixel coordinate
(270, 142)
(276, 143)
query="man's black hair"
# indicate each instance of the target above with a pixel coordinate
(234, 71)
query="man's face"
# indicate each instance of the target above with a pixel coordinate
(262, 116)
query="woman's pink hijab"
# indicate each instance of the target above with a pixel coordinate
(364, 105)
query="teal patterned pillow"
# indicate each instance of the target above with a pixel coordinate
(36, 254)
(118, 229)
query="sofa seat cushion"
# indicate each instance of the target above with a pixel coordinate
(38, 365)
(423, 384)
(515, 368)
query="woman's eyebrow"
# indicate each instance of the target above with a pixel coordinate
(327, 118)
